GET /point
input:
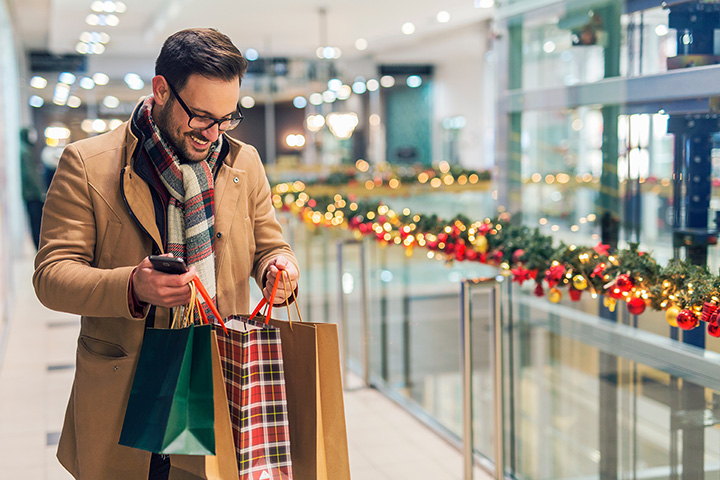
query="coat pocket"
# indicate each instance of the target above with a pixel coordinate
(101, 348)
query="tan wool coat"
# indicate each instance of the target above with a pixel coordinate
(98, 224)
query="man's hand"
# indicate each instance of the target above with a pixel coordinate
(277, 264)
(161, 289)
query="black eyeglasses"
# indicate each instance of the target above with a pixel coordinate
(200, 122)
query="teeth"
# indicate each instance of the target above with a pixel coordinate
(200, 141)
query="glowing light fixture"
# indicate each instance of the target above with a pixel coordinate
(247, 101)
(342, 125)
(38, 82)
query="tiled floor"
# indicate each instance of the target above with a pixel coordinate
(36, 374)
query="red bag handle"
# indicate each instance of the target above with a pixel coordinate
(269, 304)
(209, 302)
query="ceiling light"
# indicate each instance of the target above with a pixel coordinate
(87, 125)
(387, 81)
(38, 82)
(57, 133)
(111, 101)
(112, 20)
(344, 92)
(443, 17)
(373, 84)
(247, 102)
(414, 81)
(661, 30)
(484, 3)
(114, 123)
(361, 44)
(99, 125)
(295, 140)
(74, 102)
(97, 6)
(61, 94)
(109, 6)
(408, 28)
(120, 7)
(92, 19)
(334, 84)
(86, 83)
(134, 81)
(67, 78)
(316, 98)
(342, 125)
(251, 54)
(300, 102)
(315, 122)
(97, 48)
(329, 96)
(100, 79)
(359, 87)
(36, 101)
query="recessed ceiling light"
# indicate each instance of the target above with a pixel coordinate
(408, 28)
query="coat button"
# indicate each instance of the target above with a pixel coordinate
(115, 368)
(218, 235)
(236, 180)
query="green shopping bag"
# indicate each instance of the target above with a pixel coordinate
(171, 409)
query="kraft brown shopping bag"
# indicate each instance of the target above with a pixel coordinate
(313, 383)
(316, 409)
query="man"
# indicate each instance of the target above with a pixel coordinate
(167, 181)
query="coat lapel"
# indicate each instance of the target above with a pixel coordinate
(137, 193)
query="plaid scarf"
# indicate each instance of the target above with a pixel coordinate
(190, 212)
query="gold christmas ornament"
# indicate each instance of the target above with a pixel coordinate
(481, 243)
(554, 295)
(610, 303)
(671, 315)
(580, 282)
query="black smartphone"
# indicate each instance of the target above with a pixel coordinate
(168, 264)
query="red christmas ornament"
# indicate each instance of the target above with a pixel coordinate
(715, 317)
(554, 274)
(714, 329)
(517, 254)
(636, 305)
(363, 227)
(442, 237)
(624, 282)
(598, 271)
(615, 292)
(471, 254)
(575, 294)
(539, 291)
(686, 319)
(707, 311)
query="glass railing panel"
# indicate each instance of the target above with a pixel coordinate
(587, 395)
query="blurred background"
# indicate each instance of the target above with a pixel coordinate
(592, 124)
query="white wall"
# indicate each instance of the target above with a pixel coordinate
(12, 209)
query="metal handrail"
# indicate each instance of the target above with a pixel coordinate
(493, 286)
(364, 310)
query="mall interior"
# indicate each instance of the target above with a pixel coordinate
(508, 207)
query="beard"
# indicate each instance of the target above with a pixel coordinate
(178, 140)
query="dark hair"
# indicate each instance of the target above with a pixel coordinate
(203, 51)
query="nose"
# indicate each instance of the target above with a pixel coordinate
(212, 133)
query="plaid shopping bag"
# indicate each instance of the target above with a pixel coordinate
(253, 369)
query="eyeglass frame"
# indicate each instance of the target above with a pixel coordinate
(215, 121)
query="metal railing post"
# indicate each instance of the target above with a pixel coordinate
(343, 314)
(342, 309)
(365, 315)
(466, 345)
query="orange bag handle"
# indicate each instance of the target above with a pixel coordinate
(210, 303)
(264, 302)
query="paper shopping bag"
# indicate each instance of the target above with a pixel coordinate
(223, 465)
(252, 364)
(170, 409)
(316, 410)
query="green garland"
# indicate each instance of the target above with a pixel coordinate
(525, 253)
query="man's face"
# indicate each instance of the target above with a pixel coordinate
(210, 97)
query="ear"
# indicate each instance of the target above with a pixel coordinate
(161, 91)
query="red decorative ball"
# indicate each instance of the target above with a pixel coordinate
(714, 329)
(686, 319)
(539, 291)
(470, 254)
(624, 282)
(615, 293)
(442, 237)
(517, 254)
(575, 294)
(708, 311)
(715, 317)
(636, 305)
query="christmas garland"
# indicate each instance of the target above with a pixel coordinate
(688, 293)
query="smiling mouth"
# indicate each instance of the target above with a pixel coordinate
(199, 140)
